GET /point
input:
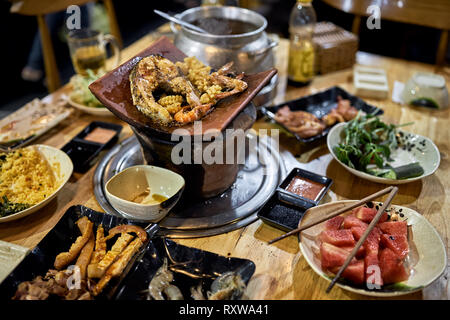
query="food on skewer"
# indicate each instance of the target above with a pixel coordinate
(189, 89)
(307, 125)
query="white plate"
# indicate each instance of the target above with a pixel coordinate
(10, 256)
(54, 157)
(428, 156)
(430, 252)
(103, 111)
(25, 124)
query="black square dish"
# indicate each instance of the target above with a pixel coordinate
(320, 104)
(281, 212)
(84, 153)
(194, 266)
(297, 172)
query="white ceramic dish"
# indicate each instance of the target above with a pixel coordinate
(430, 253)
(31, 121)
(128, 184)
(56, 158)
(94, 111)
(428, 156)
(10, 256)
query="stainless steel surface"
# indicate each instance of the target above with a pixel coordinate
(251, 52)
(180, 22)
(233, 209)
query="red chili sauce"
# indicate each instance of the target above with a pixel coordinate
(305, 187)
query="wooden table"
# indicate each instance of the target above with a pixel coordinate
(281, 271)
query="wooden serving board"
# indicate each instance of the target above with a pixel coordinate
(113, 90)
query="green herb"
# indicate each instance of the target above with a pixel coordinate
(7, 208)
(368, 140)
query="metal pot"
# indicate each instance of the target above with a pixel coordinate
(251, 52)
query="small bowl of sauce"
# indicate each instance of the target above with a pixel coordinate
(145, 193)
(300, 191)
(306, 185)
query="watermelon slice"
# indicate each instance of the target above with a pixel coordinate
(334, 223)
(367, 214)
(354, 272)
(351, 221)
(372, 271)
(394, 228)
(359, 254)
(392, 268)
(372, 242)
(338, 237)
(397, 243)
(332, 256)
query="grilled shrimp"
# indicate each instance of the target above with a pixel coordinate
(186, 114)
(235, 85)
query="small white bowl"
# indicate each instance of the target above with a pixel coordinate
(128, 184)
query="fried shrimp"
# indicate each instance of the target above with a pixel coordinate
(186, 114)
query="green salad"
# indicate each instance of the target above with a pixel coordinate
(80, 89)
(368, 145)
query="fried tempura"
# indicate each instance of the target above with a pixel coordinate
(63, 259)
(118, 266)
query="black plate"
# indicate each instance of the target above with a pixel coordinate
(84, 153)
(195, 266)
(320, 104)
(140, 270)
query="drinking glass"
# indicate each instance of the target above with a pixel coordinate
(88, 50)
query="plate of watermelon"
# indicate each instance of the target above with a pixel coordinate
(403, 254)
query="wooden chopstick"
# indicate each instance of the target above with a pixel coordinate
(364, 236)
(336, 213)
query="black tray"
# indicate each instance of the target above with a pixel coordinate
(285, 209)
(320, 104)
(140, 270)
(84, 153)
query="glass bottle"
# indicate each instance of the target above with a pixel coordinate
(301, 47)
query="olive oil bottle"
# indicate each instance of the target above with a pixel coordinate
(301, 48)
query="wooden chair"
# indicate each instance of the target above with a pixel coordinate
(40, 8)
(427, 13)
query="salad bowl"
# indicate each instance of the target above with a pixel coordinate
(422, 151)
